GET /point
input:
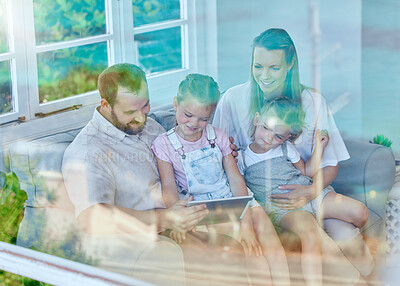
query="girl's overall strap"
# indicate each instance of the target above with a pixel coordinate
(241, 151)
(284, 149)
(210, 135)
(173, 138)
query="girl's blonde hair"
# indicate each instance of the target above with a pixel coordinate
(289, 111)
(201, 87)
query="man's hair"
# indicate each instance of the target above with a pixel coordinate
(201, 87)
(128, 76)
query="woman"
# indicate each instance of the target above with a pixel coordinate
(274, 72)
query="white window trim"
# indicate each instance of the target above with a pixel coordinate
(84, 99)
(58, 271)
(201, 39)
(20, 103)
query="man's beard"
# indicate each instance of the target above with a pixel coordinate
(125, 127)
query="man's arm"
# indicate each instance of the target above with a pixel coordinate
(112, 219)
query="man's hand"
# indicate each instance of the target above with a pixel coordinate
(182, 218)
(298, 196)
(234, 148)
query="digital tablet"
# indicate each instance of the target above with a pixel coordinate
(224, 210)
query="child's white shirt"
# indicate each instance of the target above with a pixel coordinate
(252, 158)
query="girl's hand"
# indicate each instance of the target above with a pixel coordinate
(177, 236)
(249, 240)
(321, 138)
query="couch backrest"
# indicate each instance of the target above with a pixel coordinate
(367, 176)
(37, 164)
(165, 115)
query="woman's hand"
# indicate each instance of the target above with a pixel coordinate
(298, 196)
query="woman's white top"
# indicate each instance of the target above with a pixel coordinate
(232, 115)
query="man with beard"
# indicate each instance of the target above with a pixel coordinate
(111, 177)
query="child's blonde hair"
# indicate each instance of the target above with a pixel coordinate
(201, 87)
(289, 111)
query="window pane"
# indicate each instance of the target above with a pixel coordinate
(68, 19)
(5, 88)
(151, 11)
(69, 72)
(160, 50)
(3, 27)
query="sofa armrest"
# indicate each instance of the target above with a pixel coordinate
(37, 164)
(368, 175)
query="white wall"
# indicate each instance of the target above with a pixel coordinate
(381, 69)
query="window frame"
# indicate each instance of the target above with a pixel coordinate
(32, 53)
(199, 50)
(19, 83)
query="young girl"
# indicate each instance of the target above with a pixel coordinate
(271, 161)
(194, 159)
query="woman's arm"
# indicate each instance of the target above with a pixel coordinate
(168, 184)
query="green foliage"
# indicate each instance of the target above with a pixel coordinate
(10, 279)
(12, 201)
(160, 50)
(79, 80)
(5, 88)
(150, 11)
(381, 140)
(62, 20)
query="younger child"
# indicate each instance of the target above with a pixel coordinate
(194, 159)
(272, 161)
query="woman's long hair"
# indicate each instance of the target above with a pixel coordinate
(276, 39)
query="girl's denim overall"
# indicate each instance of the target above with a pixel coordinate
(205, 175)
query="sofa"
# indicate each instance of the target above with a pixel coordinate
(49, 215)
